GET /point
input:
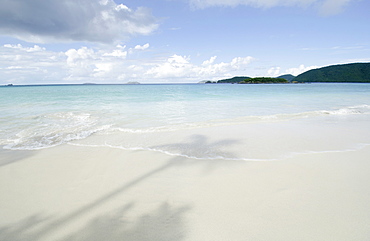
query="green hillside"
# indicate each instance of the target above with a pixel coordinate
(288, 77)
(233, 80)
(263, 80)
(356, 73)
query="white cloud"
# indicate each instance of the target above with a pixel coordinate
(145, 46)
(102, 69)
(179, 67)
(274, 71)
(102, 21)
(117, 53)
(21, 64)
(136, 68)
(299, 70)
(176, 66)
(138, 48)
(210, 61)
(326, 7)
(80, 62)
(35, 48)
(24, 65)
(74, 56)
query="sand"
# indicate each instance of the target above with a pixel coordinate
(73, 192)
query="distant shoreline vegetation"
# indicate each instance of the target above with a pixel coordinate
(257, 80)
(264, 80)
(344, 73)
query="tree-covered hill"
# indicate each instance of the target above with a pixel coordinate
(288, 77)
(357, 73)
(263, 80)
(233, 80)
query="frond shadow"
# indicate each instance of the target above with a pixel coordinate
(165, 223)
(145, 228)
(11, 156)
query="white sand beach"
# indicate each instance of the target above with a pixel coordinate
(87, 193)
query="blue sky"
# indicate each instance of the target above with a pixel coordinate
(174, 41)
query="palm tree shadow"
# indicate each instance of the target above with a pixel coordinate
(11, 156)
(197, 145)
(165, 223)
(200, 151)
(21, 230)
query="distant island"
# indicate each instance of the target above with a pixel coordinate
(233, 80)
(344, 73)
(258, 80)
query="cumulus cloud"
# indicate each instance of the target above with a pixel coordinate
(178, 66)
(104, 21)
(145, 46)
(210, 61)
(101, 65)
(21, 64)
(274, 71)
(326, 7)
(26, 64)
(300, 69)
(35, 48)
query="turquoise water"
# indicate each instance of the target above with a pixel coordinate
(36, 117)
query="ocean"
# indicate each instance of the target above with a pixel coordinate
(200, 121)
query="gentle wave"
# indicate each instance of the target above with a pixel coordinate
(355, 148)
(353, 110)
(51, 130)
(59, 128)
(360, 109)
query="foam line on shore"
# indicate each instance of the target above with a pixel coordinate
(53, 134)
(281, 158)
(358, 147)
(174, 154)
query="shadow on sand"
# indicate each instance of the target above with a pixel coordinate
(166, 223)
(11, 156)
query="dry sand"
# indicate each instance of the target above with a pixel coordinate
(99, 193)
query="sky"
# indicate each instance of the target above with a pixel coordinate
(176, 41)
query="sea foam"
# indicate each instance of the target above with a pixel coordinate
(63, 127)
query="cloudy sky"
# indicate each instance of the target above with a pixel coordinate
(173, 41)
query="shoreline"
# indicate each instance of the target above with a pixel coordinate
(184, 83)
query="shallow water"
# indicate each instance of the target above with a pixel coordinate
(242, 122)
